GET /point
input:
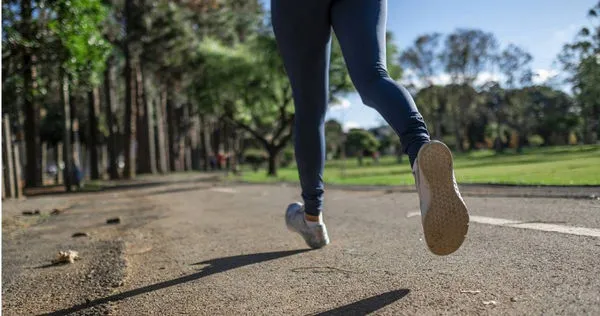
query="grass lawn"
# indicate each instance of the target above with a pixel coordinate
(568, 165)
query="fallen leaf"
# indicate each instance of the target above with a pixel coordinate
(68, 256)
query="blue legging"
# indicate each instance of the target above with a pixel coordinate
(303, 32)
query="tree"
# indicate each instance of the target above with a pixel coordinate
(19, 47)
(433, 104)
(551, 113)
(580, 59)
(83, 54)
(467, 53)
(111, 119)
(130, 102)
(51, 44)
(359, 142)
(167, 50)
(247, 84)
(93, 115)
(514, 63)
(334, 137)
(422, 58)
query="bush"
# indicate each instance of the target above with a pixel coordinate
(287, 157)
(450, 141)
(536, 140)
(255, 157)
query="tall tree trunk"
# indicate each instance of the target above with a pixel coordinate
(150, 124)
(186, 142)
(93, 111)
(171, 129)
(33, 174)
(67, 153)
(58, 154)
(195, 138)
(145, 126)
(130, 104)
(9, 183)
(236, 151)
(273, 152)
(44, 162)
(113, 128)
(161, 130)
(214, 137)
(205, 142)
(75, 139)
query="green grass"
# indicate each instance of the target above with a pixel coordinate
(568, 165)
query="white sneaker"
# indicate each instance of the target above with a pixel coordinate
(443, 211)
(315, 237)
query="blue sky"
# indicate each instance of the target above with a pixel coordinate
(541, 27)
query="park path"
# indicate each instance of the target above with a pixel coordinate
(203, 248)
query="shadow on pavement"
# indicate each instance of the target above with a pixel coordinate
(115, 185)
(177, 190)
(215, 266)
(368, 305)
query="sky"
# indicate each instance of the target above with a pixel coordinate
(542, 27)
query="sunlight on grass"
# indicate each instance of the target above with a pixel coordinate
(572, 165)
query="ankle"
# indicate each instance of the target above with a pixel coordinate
(313, 218)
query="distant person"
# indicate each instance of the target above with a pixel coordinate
(213, 162)
(221, 160)
(303, 32)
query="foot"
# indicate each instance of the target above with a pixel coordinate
(314, 235)
(443, 211)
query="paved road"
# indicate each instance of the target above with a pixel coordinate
(204, 249)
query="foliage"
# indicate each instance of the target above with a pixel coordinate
(255, 157)
(360, 141)
(581, 60)
(467, 52)
(536, 140)
(423, 57)
(334, 136)
(79, 27)
(514, 62)
(287, 156)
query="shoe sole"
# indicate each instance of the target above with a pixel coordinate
(446, 223)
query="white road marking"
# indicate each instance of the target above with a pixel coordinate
(224, 190)
(579, 231)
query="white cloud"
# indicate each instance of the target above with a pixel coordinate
(340, 104)
(445, 79)
(487, 77)
(350, 125)
(409, 78)
(541, 76)
(442, 79)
